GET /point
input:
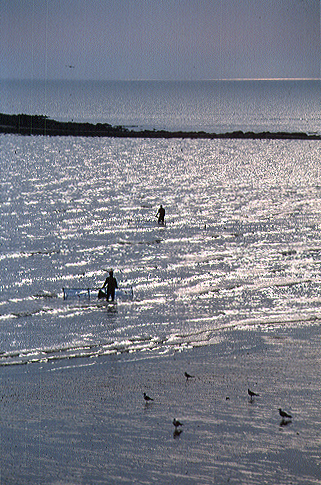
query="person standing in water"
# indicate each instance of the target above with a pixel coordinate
(161, 215)
(111, 284)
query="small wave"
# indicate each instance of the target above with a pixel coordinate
(45, 295)
(24, 314)
(131, 243)
(204, 288)
(28, 254)
(176, 341)
(290, 252)
(65, 311)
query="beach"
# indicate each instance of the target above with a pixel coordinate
(227, 290)
(84, 421)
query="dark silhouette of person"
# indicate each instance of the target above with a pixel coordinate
(161, 215)
(111, 284)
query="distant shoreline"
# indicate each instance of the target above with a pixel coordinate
(27, 125)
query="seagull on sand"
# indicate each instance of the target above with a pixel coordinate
(188, 376)
(147, 398)
(252, 394)
(284, 415)
(177, 423)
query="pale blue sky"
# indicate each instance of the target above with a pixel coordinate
(159, 39)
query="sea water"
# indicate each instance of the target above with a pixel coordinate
(211, 106)
(241, 247)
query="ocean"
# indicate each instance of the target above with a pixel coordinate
(211, 106)
(241, 247)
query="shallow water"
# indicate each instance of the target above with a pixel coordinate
(241, 246)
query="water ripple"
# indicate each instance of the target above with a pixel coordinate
(241, 245)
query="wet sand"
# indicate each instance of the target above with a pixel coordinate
(86, 422)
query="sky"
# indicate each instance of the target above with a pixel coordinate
(159, 39)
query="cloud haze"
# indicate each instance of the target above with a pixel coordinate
(159, 39)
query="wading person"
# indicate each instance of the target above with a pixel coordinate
(111, 284)
(161, 215)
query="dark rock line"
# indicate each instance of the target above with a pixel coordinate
(23, 124)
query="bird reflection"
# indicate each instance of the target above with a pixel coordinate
(177, 433)
(285, 422)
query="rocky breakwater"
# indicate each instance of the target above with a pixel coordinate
(23, 124)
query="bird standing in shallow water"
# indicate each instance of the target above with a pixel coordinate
(188, 376)
(252, 394)
(177, 423)
(177, 431)
(284, 414)
(147, 398)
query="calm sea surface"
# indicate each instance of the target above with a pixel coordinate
(241, 246)
(214, 106)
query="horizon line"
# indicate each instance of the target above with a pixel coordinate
(170, 80)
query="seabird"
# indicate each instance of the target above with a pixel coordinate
(188, 376)
(177, 423)
(252, 394)
(283, 414)
(147, 398)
